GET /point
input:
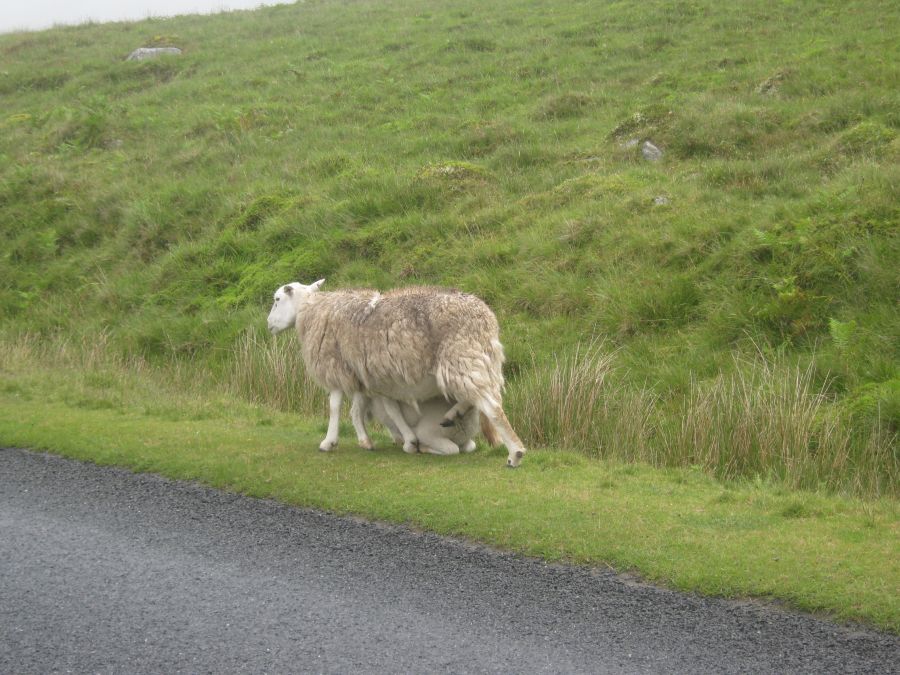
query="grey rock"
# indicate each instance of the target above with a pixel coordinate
(143, 53)
(630, 143)
(660, 200)
(770, 86)
(650, 152)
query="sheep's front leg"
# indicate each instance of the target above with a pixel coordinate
(410, 442)
(358, 410)
(334, 418)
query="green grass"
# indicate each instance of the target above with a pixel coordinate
(679, 527)
(386, 143)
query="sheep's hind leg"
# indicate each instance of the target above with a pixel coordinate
(510, 439)
(455, 413)
(334, 416)
(410, 442)
(358, 410)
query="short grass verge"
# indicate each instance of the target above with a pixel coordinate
(680, 527)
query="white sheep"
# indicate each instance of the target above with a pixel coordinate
(425, 421)
(410, 344)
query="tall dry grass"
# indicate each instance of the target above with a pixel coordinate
(85, 352)
(575, 403)
(766, 418)
(270, 372)
(88, 371)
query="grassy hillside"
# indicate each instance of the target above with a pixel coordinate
(490, 148)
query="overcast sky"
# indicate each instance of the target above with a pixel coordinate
(38, 14)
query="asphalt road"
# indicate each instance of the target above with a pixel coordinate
(102, 570)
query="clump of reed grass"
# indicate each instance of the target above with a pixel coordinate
(270, 372)
(575, 403)
(765, 419)
(768, 418)
(85, 352)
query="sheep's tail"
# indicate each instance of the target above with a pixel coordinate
(489, 431)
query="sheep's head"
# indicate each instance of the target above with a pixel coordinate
(287, 298)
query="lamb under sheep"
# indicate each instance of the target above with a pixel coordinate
(425, 421)
(406, 345)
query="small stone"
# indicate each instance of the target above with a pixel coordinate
(770, 86)
(650, 152)
(143, 53)
(660, 200)
(630, 143)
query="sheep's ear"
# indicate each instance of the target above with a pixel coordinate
(288, 290)
(316, 285)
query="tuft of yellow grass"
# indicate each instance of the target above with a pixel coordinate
(766, 419)
(270, 371)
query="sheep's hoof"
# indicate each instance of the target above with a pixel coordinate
(366, 444)
(513, 461)
(448, 423)
(411, 448)
(327, 447)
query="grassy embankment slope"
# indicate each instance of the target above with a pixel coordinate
(152, 208)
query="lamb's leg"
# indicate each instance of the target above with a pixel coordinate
(358, 411)
(469, 446)
(455, 413)
(433, 441)
(410, 442)
(438, 445)
(334, 409)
